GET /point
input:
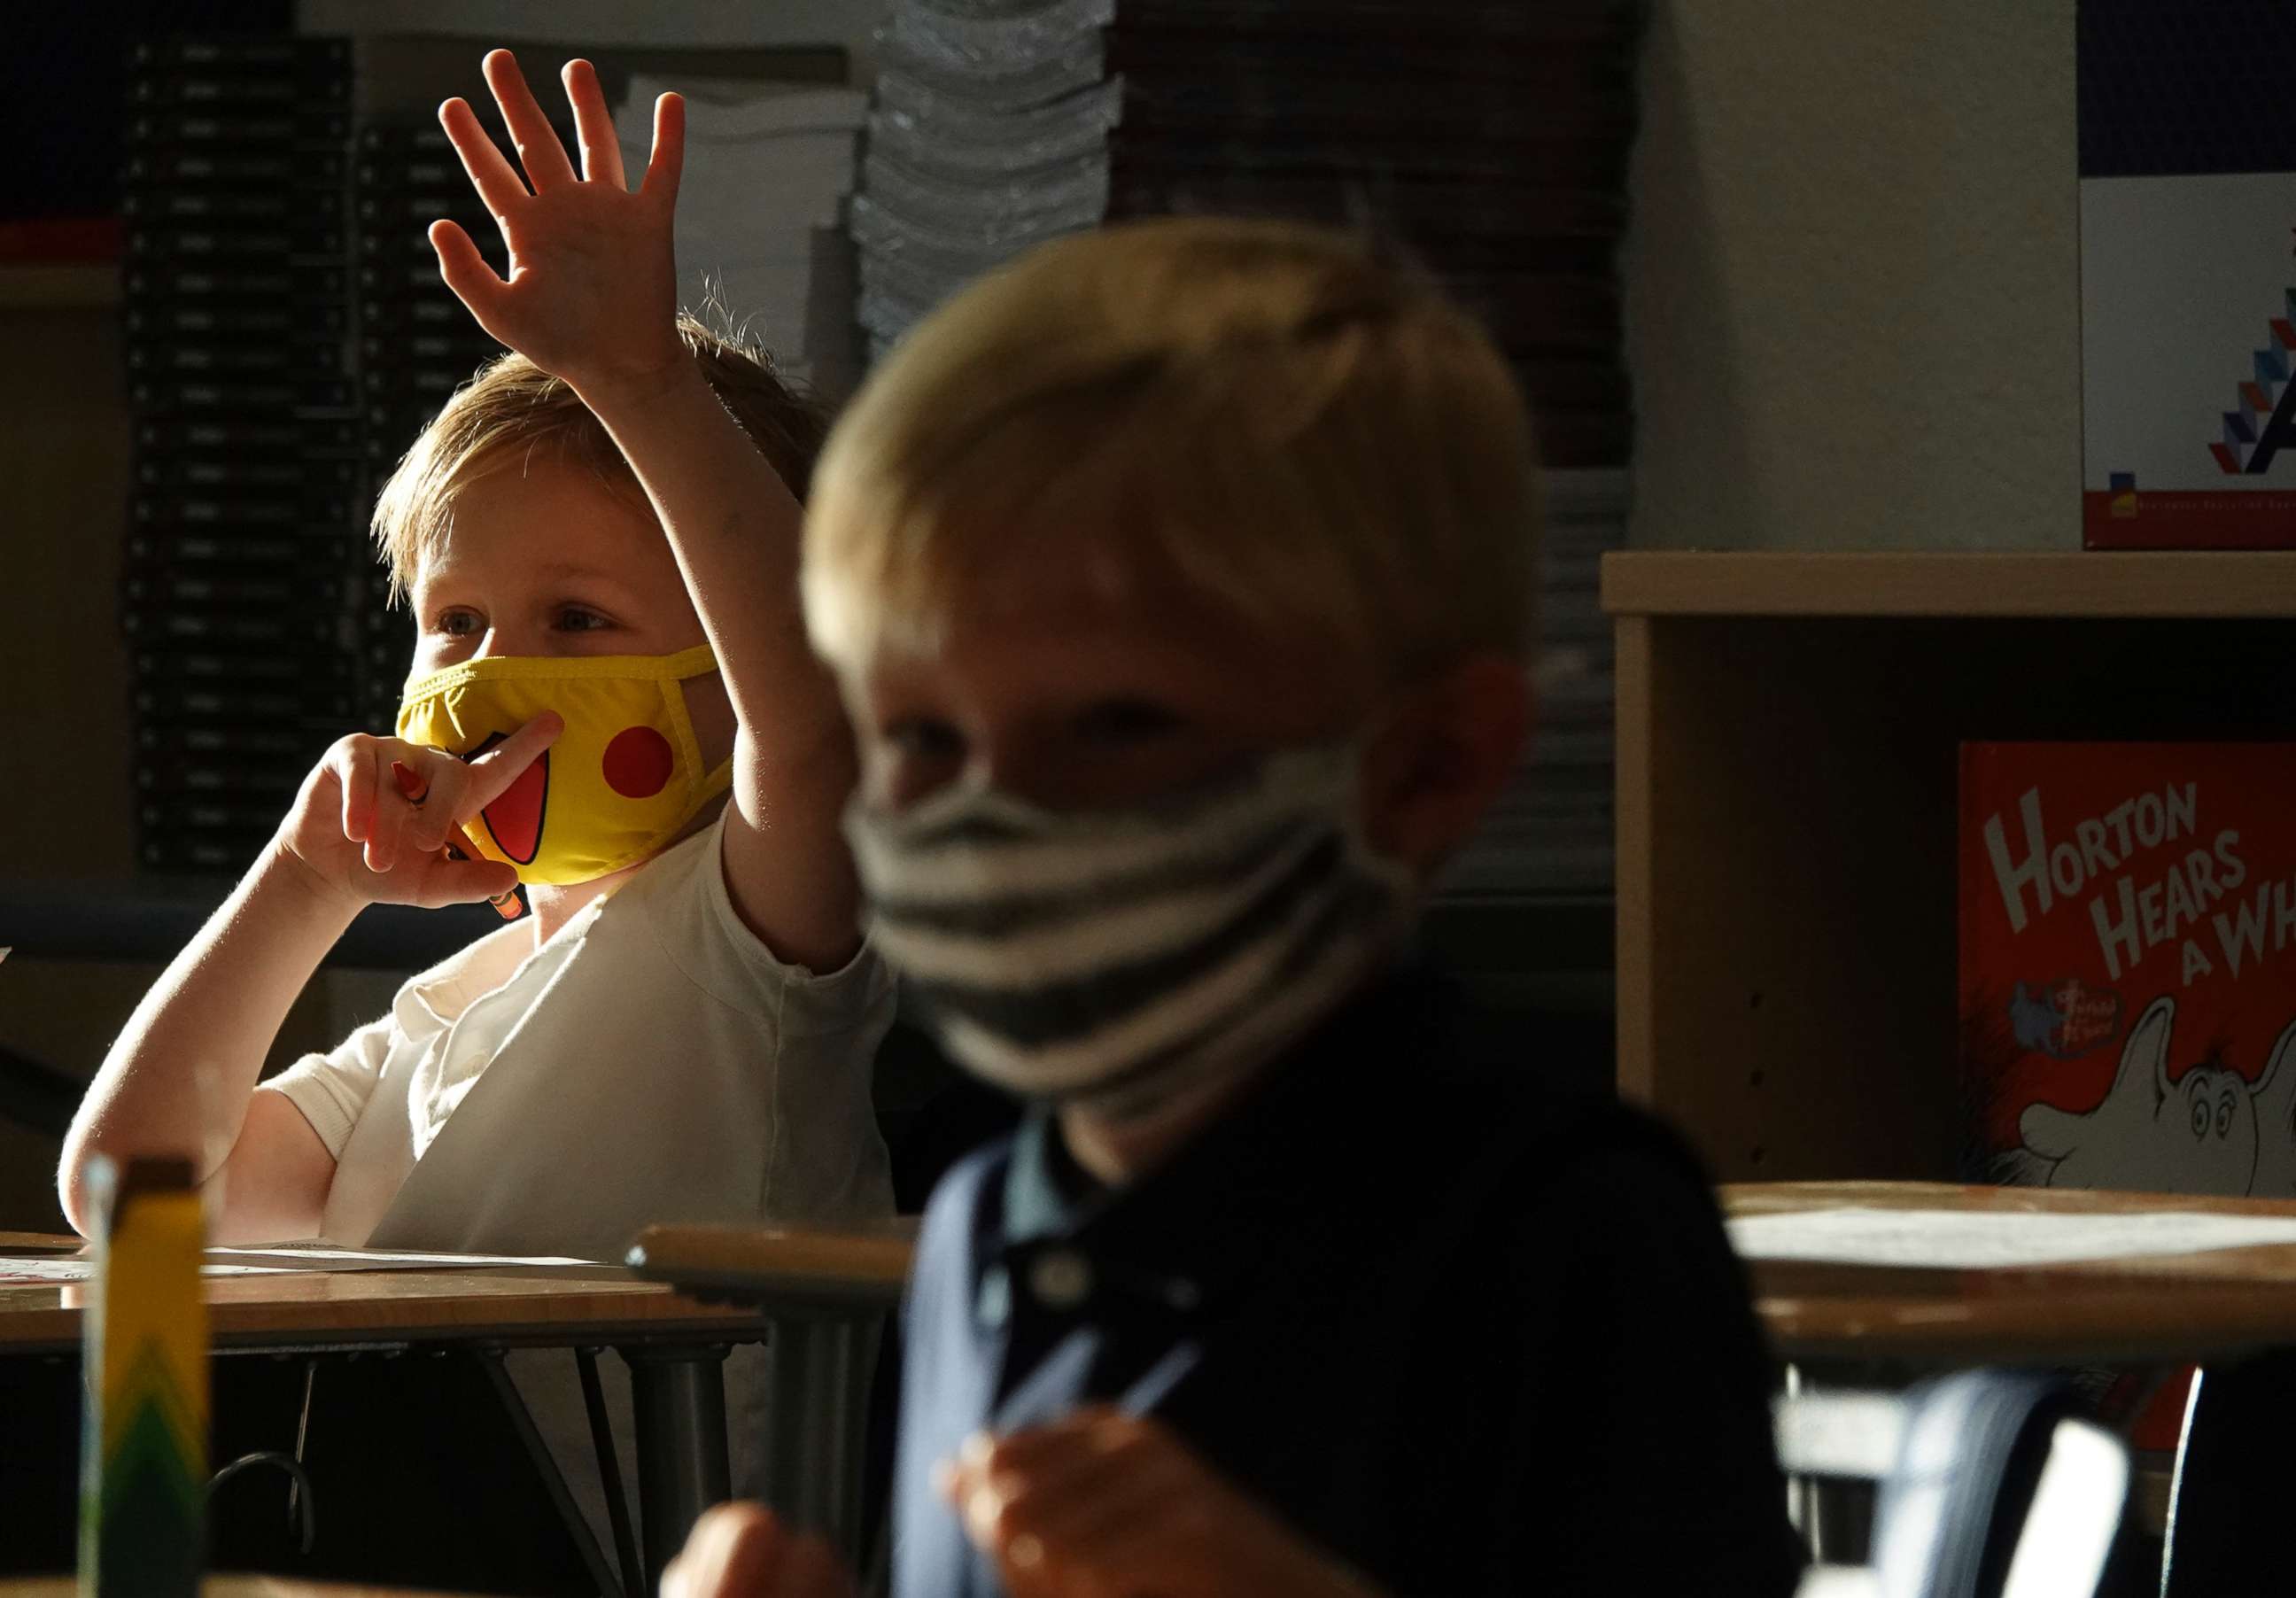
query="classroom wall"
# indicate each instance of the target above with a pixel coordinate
(1853, 277)
(1852, 314)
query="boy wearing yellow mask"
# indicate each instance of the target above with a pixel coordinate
(1177, 577)
(614, 703)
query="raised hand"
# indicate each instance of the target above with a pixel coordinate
(354, 826)
(592, 294)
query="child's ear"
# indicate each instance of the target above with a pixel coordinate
(1443, 758)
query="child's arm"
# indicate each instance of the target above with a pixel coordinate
(592, 298)
(1102, 1502)
(180, 1078)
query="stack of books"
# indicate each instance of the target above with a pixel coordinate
(988, 135)
(762, 211)
(245, 536)
(1488, 142)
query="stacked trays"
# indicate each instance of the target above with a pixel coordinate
(990, 134)
(760, 210)
(1489, 141)
(245, 527)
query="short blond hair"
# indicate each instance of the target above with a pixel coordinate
(513, 404)
(1302, 430)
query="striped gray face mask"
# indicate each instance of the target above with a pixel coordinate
(1128, 960)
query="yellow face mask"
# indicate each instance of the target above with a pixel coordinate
(620, 781)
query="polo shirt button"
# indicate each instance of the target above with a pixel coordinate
(1060, 1279)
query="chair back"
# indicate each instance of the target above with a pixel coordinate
(1985, 1484)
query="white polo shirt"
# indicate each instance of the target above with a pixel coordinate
(652, 1061)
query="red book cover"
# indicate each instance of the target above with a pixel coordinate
(2128, 964)
(2127, 958)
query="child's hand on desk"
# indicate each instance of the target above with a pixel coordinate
(592, 295)
(739, 1551)
(1104, 1505)
(359, 833)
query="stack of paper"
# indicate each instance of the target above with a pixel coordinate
(990, 135)
(768, 167)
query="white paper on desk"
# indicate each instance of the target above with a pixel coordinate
(1952, 1240)
(73, 1267)
(282, 1261)
(324, 1256)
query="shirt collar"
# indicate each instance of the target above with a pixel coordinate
(1247, 1183)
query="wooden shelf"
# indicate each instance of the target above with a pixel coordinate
(1790, 730)
(61, 288)
(2074, 584)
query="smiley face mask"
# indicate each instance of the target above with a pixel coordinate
(621, 782)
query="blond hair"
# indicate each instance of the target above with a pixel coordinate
(1307, 432)
(512, 404)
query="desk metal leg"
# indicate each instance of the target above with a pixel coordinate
(546, 1465)
(822, 1367)
(610, 1474)
(679, 1395)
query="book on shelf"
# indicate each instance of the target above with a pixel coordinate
(2128, 972)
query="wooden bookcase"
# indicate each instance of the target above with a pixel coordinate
(1788, 729)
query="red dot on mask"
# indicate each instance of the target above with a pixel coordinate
(639, 762)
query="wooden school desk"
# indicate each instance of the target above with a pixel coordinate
(2149, 1309)
(675, 1346)
(2157, 1307)
(1870, 1323)
(220, 1586)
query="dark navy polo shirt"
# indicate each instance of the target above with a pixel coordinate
(1467, 1334)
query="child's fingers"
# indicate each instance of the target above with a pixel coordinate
(810, 1570)
(426, 826)
(497, 183)
(594, 124)
(486, 778)
(1080, 1434)
(667, 164)
(390, 811)
(353, 761)
(733, 1551)
(466, 883)
(538, 148)
(466, 272)
(1086, 1519)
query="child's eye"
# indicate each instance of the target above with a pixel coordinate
(574, 618)
(1123, 721)
(456, 624)
(921, 738)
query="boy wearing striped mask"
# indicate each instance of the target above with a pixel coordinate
(1176, 580)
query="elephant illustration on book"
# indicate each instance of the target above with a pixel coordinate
(2210, 1132)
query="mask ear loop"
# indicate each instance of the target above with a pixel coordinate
(705, 782)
